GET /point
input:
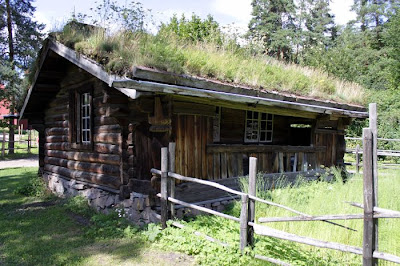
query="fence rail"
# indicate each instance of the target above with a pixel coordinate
(247, 224)
(30, 141)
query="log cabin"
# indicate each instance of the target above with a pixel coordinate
(104, 131)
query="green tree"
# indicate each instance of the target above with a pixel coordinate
(193, 29)
(20, 40)
(273, 23)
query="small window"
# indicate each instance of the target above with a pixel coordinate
(81, 119)
(258, 127)
(85, 118)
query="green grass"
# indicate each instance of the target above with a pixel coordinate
(121, 51)
(43, 230)
(38, 229)
(21, 148)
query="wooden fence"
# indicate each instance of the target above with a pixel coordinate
(248, 226)
(31, 141)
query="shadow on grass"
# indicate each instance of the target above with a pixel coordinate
(34, 233)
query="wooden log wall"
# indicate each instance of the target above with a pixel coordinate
(99, 164)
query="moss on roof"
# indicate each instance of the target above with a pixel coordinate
(121, 51)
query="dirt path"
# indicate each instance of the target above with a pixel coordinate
(26, 162)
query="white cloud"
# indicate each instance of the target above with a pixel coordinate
(240, 10)
(341, 9)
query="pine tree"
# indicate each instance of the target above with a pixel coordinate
(20, 39)
(273, 23)
(19, 42)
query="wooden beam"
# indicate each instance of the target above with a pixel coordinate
(219, 148)
(162, 88)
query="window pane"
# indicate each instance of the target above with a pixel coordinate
(263, 125)
(269, 126)
(263, 116)
(255, 115)
(262, 137)
(269, 136)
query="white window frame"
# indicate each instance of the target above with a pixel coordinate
(258, 127)
(85, 118)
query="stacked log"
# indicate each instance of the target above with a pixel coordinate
(101, 163)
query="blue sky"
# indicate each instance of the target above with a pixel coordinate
(55, 13)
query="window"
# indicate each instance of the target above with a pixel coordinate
(258, 127)
(85, 118)
(81, 119)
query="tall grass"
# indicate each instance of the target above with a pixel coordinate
(319, 198)
(121, 51)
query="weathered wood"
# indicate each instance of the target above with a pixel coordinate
(171, 168)
(190, 108)
(105, 120)
(280, 158)
(325, 217)
(62, 138)
(272, 260)
(84, 176)
(252, 192)
(107, 129)
(267, 231)
(56, 131)
(373, 117)
(199, 181)
(105, 148)
(196, 82)
(164, 187)
(219, 148)
(110, 138)
(63, 146)
(203, 209)
(369, 230)
(224, 166)
(357, 159)
(85, 156)
(385, 256)
(244, 219)
(84, 166)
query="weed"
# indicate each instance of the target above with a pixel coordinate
(33, 187)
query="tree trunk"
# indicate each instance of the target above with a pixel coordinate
(11, 59)
(10, 33)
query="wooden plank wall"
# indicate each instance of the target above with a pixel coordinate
(99, 165)
(192, 134)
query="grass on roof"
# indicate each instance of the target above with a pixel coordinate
(121, 51)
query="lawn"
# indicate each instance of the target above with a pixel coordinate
(39, 229)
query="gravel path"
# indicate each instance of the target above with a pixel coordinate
(27, 162)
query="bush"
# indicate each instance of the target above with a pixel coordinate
(34, 187)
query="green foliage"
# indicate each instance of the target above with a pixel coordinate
(193, 30)
(33, 186)
(273, 24)
(19, 52)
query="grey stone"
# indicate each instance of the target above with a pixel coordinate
(215, 204)
(110, 201)
(126, 203)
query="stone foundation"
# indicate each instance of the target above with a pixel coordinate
(136, 209)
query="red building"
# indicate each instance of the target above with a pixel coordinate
(4, 111)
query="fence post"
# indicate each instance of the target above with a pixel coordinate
(3, 144)
(252, 192)
(29, 140)
(244, 222)
(171, 153)
(373, 117)
(164, 187)
(369, 226)
(358, 159)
